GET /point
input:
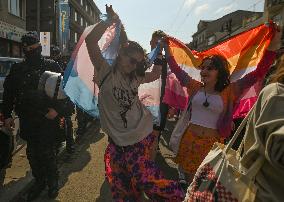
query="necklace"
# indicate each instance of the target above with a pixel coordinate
(206, 103)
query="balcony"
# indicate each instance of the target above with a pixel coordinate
(272, 3)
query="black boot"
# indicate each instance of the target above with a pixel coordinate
(35, 190)
(70, 149)
(53, 189)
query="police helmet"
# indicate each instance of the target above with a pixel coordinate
(30, 38)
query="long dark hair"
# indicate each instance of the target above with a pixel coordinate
(221, 64)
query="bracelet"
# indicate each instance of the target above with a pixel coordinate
(155, 127)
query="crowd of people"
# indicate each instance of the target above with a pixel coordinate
(130, 164)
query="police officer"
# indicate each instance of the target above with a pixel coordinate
(37, 113)
(69, 107)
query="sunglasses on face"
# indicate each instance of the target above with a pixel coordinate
(209, 68)
(31, 47)
(133, 61)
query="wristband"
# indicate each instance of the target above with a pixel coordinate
(158, 61)
(155, 127)
(108, 20)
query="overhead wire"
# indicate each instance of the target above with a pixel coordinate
(180, 9)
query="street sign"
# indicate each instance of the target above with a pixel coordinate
(45, 43)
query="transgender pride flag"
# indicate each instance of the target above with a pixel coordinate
(243, 52)
(79, 77)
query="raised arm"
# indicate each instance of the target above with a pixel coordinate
(262, 68)
(251, 78)
(153, 75)
(181, 75)
(92, 44)
(95, 35)
(156, 70)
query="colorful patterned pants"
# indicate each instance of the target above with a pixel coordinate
(130, 172)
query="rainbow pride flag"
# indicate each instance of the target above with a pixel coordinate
(79, 81)
(243, 52)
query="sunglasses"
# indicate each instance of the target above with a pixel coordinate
(134, 61)
(31, 47)
(209, 68)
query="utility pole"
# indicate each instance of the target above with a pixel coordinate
(38, 17)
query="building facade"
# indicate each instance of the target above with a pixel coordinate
(274, 10)
(83, 13)
(65, 20)
(12, 27)
(210, 33)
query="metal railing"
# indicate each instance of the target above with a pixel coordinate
(271, 3)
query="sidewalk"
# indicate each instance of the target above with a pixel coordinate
(16, 180)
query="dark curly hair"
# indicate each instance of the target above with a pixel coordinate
(158, 34)
(221, 65)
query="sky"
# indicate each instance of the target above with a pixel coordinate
(178, 18)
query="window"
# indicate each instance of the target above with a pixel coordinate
(82, 22)
(86, 7)
(76, 37)
(86, 23)
(277, 19)
(211, 40)
(15, 7)
(75, 16)
(91, 12)
(82, 2)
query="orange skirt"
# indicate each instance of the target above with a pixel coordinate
(193, 149)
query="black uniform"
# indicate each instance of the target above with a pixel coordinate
(21, 92)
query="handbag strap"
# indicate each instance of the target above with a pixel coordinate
(252, 171)
(239, 130)
(254, 168)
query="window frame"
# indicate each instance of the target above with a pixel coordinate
(75, 37)
(75, 16)
(19, 8)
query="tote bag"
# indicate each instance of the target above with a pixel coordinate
(221, 177)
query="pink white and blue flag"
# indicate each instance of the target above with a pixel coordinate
(79, 77)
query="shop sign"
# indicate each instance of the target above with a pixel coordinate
(45, 43)
(11, 32)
